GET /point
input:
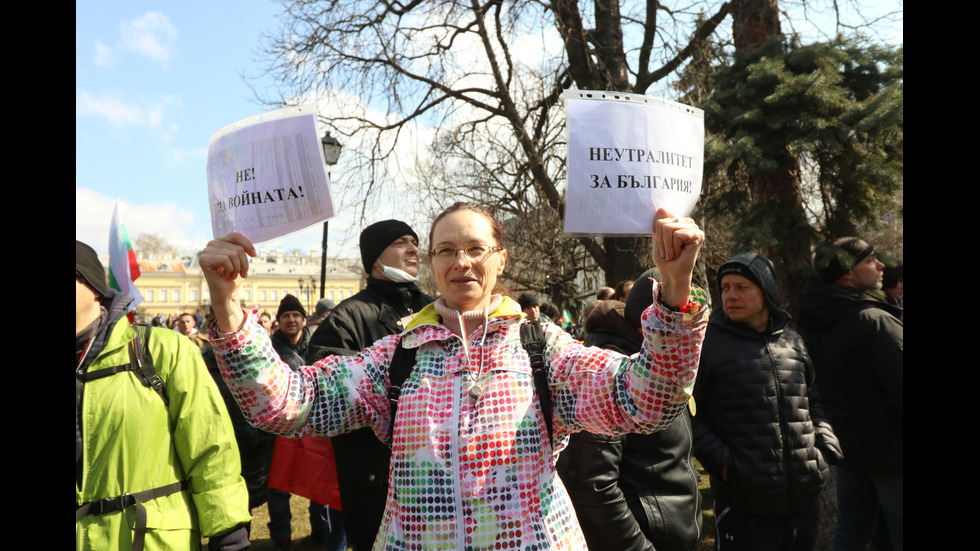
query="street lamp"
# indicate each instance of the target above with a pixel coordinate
(331, 149)
(331, 154)
(307, 290)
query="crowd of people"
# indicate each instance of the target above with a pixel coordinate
(475, 421)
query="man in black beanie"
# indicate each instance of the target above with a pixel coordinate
(760, 431)
(292, 327)
(530, 305)
(290, 342)
(857, 344)
(389, 254)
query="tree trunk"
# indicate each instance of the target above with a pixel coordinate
(754, 22)
(628, 257)
(786, 224)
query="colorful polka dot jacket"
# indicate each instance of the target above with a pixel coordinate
(472, 464)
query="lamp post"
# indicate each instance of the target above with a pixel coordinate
(307, 290)
(331, 153)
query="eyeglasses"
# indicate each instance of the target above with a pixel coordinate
(473, 252)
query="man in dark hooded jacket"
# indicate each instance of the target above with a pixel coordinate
(759, 430)
(856, 341)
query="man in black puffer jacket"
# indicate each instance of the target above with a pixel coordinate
(637, 492)
(759, 429)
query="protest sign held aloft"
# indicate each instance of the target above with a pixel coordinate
(267, 177)
(629, 155)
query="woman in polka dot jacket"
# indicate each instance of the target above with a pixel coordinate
(472, 465)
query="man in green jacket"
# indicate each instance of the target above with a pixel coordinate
(155, 466)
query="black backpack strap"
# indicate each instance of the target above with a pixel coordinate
(125, 501)
(140, 363)
(532, 339)
(92, 375)
(143, 365)
(402, 364)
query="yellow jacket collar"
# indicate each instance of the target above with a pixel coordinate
(429, 315)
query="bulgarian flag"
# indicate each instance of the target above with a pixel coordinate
(123, 268)
(566, 318)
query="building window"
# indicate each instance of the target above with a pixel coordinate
(176, 295)
(149, 295)
(163, 295)
(194, 295)
(275, 295)
(263, 295)
(248, 296)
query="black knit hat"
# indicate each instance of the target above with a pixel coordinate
(840, 256)
(640, 297)
(376, 238)
(290, 304)
(528, 298)
(757, 269)
(88, 268)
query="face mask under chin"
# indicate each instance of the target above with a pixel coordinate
(396, 275)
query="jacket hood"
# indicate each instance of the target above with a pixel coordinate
(115, 305)
(760, 271)
(777, 322)
(757, 269)
(822, 304)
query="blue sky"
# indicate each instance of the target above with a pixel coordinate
(153, 81)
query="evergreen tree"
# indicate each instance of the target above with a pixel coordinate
(810, 142)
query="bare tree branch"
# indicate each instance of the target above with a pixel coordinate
(476, 85)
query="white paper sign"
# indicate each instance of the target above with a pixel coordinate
(628, 155)
(267, 176)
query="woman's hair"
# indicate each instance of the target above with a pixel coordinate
(551, 310)
(622, 290)
(498, 232)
